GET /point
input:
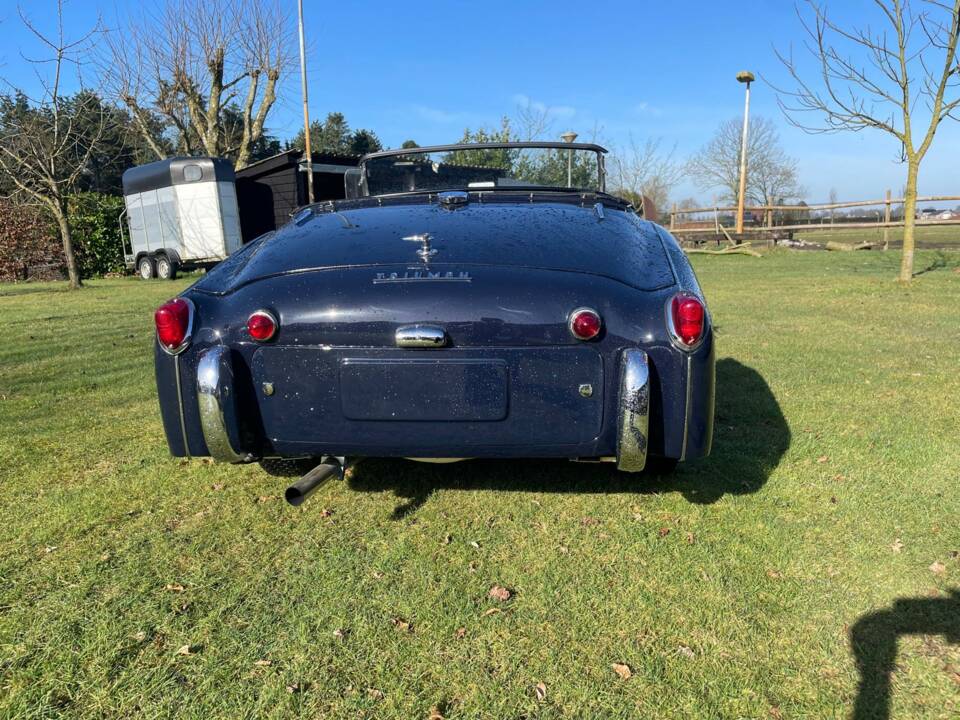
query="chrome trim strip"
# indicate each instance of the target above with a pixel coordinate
(420, 336)
(214, 384)
(633, 410)
(183, 423)
(686, 408)
(186, 338)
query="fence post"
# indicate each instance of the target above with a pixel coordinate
(716, 220)
(886, 219)
(673, 216)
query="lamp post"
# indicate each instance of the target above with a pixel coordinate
(568, 137)
(746, 78)
(307, 151)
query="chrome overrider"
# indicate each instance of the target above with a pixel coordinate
(214, 385)
(634, 410)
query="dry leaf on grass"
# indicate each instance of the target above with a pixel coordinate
(491, 611)
(686, 652)
(326, 512)
(938, 568)
(691, 539)
(474, 544)
(341, 633)
(771, 573)
(822, 459)
(174, 587)
(589, 521)
(374, 694)
(623, 670)
(293, 688)
(402, 625)
(447, 539)
(541, 691)
(497, 592)
(460, 633)
(188, 650)
(775, 713)
(663, 532)
(897, 545)
(263, 663)
(435, 714)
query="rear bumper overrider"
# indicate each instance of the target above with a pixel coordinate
(217, 404)
(633, 417)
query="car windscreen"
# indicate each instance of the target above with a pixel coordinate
(482, 169)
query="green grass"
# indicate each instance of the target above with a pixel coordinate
(731, 590)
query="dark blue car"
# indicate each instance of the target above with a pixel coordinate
(464, 301)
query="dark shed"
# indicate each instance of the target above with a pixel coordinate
(268, 191)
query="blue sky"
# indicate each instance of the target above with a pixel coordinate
(427, 70)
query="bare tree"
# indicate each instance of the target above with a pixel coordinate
(192, 60)
(46, 142)
(879, 76)
(832, 199)
(645, 172)
(771, 173)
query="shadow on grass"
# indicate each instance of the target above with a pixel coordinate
(750, 437)
(874, 641)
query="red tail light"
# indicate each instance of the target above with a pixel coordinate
(585, 324)
(173, 320)
(262, 326)
(687, 320)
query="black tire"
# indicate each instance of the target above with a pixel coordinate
(166, 268)
(146, 268)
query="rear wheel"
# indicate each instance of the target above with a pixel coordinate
(146, 267)
(166, 268)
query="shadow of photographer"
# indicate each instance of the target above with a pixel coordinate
(751, 435)
(874, 642)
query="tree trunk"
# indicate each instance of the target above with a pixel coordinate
(909, 220)
(67, 237)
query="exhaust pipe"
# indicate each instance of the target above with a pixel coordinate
(303, 488)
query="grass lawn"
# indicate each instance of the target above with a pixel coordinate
(822, 533)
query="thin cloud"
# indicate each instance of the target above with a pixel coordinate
(442, 117)
(645, 108)
(554, 111)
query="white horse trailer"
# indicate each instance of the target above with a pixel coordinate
(181, 213)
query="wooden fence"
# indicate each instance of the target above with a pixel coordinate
(767, 212)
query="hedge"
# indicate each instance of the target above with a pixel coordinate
(30, 246)
(96, 232)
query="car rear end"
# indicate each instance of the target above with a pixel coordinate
(450, 360)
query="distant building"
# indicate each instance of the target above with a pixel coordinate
(268, 191)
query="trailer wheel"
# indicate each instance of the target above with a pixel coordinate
(146, 267)
(166, 268)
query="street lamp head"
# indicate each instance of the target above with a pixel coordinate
(745, 76)
(569, 136)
